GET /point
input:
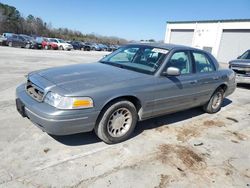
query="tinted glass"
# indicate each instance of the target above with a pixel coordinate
(246, 55)
(137, 58)
(61, 41)
(181, 61)
(202, 63)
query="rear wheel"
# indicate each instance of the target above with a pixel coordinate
(117, 122)
(215, 102)
(10, 44)
(61, 48)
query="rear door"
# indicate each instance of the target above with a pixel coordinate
(21, 41)
(206, 76)
(173, 93)
(14, 40)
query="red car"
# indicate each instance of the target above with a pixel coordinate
(52, 44)
(46, 43)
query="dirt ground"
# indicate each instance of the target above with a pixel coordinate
(185, 149)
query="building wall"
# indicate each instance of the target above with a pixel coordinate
(207, 34)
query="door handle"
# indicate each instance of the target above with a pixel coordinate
(193, 82)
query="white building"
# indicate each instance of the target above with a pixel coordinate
(225, 39)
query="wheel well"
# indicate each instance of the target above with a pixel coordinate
(223, 86)
(132, 99)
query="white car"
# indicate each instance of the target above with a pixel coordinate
(62, 45)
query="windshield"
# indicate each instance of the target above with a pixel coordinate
(246, 55)
(53, 40)
(142, 59)
(61, 41)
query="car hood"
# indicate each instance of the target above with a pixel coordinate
(64, 43)
(240, 62)
(75, 78)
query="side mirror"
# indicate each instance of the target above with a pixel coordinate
(172, 71)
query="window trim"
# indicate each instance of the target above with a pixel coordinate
(208, 58)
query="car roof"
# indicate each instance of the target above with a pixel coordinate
(166, 46)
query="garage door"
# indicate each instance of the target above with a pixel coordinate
(182, 36)
(233, 43)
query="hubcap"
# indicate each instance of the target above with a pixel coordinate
(119, 122)
(217, 100)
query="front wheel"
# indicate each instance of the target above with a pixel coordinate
(117, 122)
(215, 102)
(27, 46)
(61, 48)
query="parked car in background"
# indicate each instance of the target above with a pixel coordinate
(4, 38)
(112, 47)
(94, 46)
(42, 42)
(110, 96)
(87, 45)
(31, 42)
(78, 45)
(52, 44)
(1, 39)
(18, 41)
(103, 47)
(62, 45)
(241, 66)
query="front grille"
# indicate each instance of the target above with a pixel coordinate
(239, 71)
(34, 91)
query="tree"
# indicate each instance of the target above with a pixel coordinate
(12, 21)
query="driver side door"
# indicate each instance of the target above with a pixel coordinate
(174, 93)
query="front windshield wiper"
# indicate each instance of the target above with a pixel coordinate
(113, 64)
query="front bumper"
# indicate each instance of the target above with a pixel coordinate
(242, 79)
(52, 120)
(68, 48)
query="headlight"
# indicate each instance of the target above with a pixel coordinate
(62, 102)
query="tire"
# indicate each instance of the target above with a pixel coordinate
(46, 47)
(27, 46)
(61, 48)
(215, 102)
(116, 122)
(10, 44)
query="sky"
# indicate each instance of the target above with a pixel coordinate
(129, 19)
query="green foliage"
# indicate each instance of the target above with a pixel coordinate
(12, 21)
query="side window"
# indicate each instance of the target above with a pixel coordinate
(181, 61)
(202, 63)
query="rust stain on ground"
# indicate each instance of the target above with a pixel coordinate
(187, 132)
(238, 136)
(181, 156)
(161, 128)
(209, 123)
(164, 180)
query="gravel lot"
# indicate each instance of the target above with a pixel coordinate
(185, 149)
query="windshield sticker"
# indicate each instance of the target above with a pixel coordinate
(159, 50)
